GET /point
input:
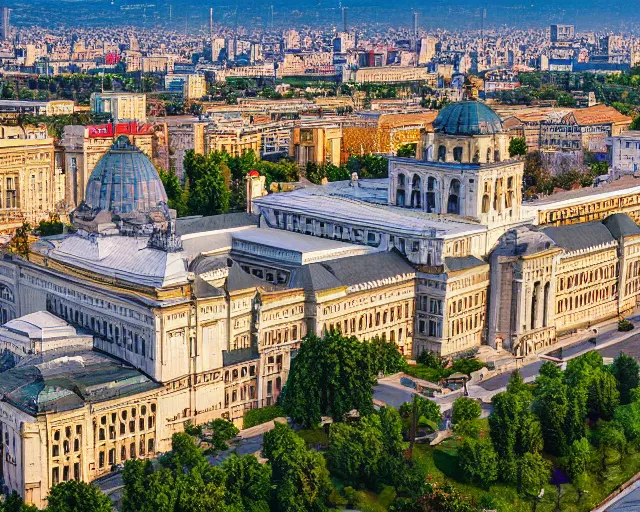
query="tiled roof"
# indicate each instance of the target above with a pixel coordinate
(599, 114)
(575, 237)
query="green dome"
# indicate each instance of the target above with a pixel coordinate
(467, 118)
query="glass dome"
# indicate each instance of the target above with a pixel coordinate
(124, 181)
(467, 118)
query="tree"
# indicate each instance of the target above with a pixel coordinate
(627, 417)
(175, 194)
(300, 476)
(74, 496)
(478, 462)
(465, 409)
(604, 396)
(355, 451)
(635, 124)
(627, 373)
(533, 474)
(551, 406)
(247, 482)
(329, 376)
(610, 440)
(184, 454)
(517, 147)
(134, 478)
(578, 457)
(14, 503)
(221, 431)
(386, 358)
(406, 150)
(50, 227)
(20, 243)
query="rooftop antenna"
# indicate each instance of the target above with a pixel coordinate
(211, 23)
(344, 19)
(482, 17)
(415, 24)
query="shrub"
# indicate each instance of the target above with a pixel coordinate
(624, 325)
(259, 416)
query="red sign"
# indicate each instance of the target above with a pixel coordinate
(101, 130)
(134, 128)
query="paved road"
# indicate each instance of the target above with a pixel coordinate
(630, 346)
(500, 381)
(392, 395)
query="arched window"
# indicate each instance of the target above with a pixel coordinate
(442, 153)
(485, 203)
(496, 155)
(453, 203)
(545, 313)
(488, 155)
(400, 197)
(401, 180)
(432, 185)
(534, 305)
(457, 153)
(416, 194)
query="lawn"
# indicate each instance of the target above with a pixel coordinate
(314, 437)
(440, 463)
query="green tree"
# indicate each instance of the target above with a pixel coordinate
(406, 151)
(610, 441)
(627, 373)
(533, 474)
(604, 396)
(355, 450)
(517, 147)
(14, 503)
(20, 242)
(175, 194)
(74, 496)
(465, 409)
(478, 462)
(628, 418)
(247, 482)
(386, 358)
(221, 431)
(184, 454)
(635, 124)
(299, 475)
(134, 477)
(578, 457)
(551, 406)
(329, 376)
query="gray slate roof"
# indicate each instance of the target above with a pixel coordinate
(620, 224)
(463, 263)
(351, 271)
(579, 236)
(198, 224)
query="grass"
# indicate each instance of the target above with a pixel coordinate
(440, 463)
(314, 437)
(259, 416)
(423, 372)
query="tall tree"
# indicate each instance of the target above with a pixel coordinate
(74, 496)
(329, 376)
(517, 147)
(248, 483)
(604, 396)
(300, 476)
(627, 372)
(478, 462)
(551, 406)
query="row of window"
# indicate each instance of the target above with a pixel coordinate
(144, 448)
(465, 324)
(588, 277)
(587, 298)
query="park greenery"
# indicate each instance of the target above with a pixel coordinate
(366, 166)
(434, 368)
(216, 183)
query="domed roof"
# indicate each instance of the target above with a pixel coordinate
(467, 118)
(124, 181)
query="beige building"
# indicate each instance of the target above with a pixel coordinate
(204, 316)
(393, 74)
(27, 178)
(123, 106)
(316, 144)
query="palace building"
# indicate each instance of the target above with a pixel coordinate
(117, 334)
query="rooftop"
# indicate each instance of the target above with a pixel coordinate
(467, 118)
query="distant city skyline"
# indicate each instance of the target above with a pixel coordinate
(464, 15)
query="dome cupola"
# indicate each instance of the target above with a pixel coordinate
(124, 181)
(467, 118)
